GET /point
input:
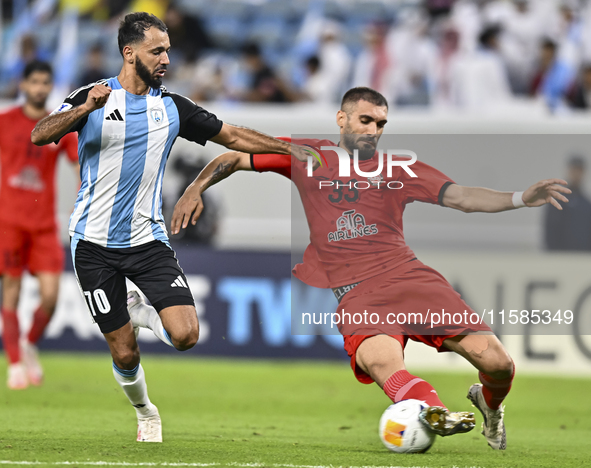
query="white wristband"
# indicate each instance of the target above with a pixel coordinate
(518, 199)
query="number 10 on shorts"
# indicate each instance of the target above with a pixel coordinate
(100, 299)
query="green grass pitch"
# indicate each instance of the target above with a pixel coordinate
(271, 413)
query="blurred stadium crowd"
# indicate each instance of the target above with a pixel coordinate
(462, 54)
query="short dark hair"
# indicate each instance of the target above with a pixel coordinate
(577, 160)
(132, 28)
(548, 43)
(251, 49)
(313, 61)
(488, 34)
(361, 93)
(37, 66)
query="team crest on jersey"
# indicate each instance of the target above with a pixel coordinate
(350, 226)
(375, 180)
(157, 115)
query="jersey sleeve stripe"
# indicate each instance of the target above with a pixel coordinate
(91, 85)
(442, 192)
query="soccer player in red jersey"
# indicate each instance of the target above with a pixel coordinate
(357, 248)
(28, 229)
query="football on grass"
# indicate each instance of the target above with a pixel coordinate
(400, 428)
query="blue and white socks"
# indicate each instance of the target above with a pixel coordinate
(133, 383)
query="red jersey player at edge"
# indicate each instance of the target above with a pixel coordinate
(401, 278)
(29, 237)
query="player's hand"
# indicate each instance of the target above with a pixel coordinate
(187, 209)
(97, 97)
(301, 153)
(547, 191)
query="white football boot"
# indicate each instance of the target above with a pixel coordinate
(493, 427)
(30, 357)
(17, 377)
(441, 421)
(149, 429)
(139, 318)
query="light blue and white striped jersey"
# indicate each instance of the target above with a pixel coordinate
(123, 149)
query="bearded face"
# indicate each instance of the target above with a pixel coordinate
(365, 144)
(362, 124)
(153, 79)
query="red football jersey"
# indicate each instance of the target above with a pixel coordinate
(27, 181)
(355, 225)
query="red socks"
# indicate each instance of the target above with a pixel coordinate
(11, 332)
(494, 391)
(402, 385)
(10, 335)
(40, 321)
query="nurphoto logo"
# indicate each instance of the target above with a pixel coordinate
(345, 161)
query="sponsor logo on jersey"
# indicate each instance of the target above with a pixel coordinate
(393, 433)
(350, 226)
(115, 115)
(179, 283)
(157, 115)
(28, 179)
(314, 152)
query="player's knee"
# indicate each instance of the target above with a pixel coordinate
(500, 367)
(11, 287)
(127, 357)
(48, 305)
(11, 283)
(380, 368)
(186, 340)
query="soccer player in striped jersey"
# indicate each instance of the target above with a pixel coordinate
(126, 127)
(366, 261)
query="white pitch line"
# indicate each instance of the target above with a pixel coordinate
(239, 465)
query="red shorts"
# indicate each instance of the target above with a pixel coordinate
(35, 251)
(412, 289)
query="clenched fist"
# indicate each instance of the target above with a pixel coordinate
(97, 97)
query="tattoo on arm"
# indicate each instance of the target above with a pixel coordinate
(223, 170)
(56, 125)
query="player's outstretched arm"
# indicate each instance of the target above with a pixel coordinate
(479, 199)
(190, 205)
(55, 126)
(250, 141)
